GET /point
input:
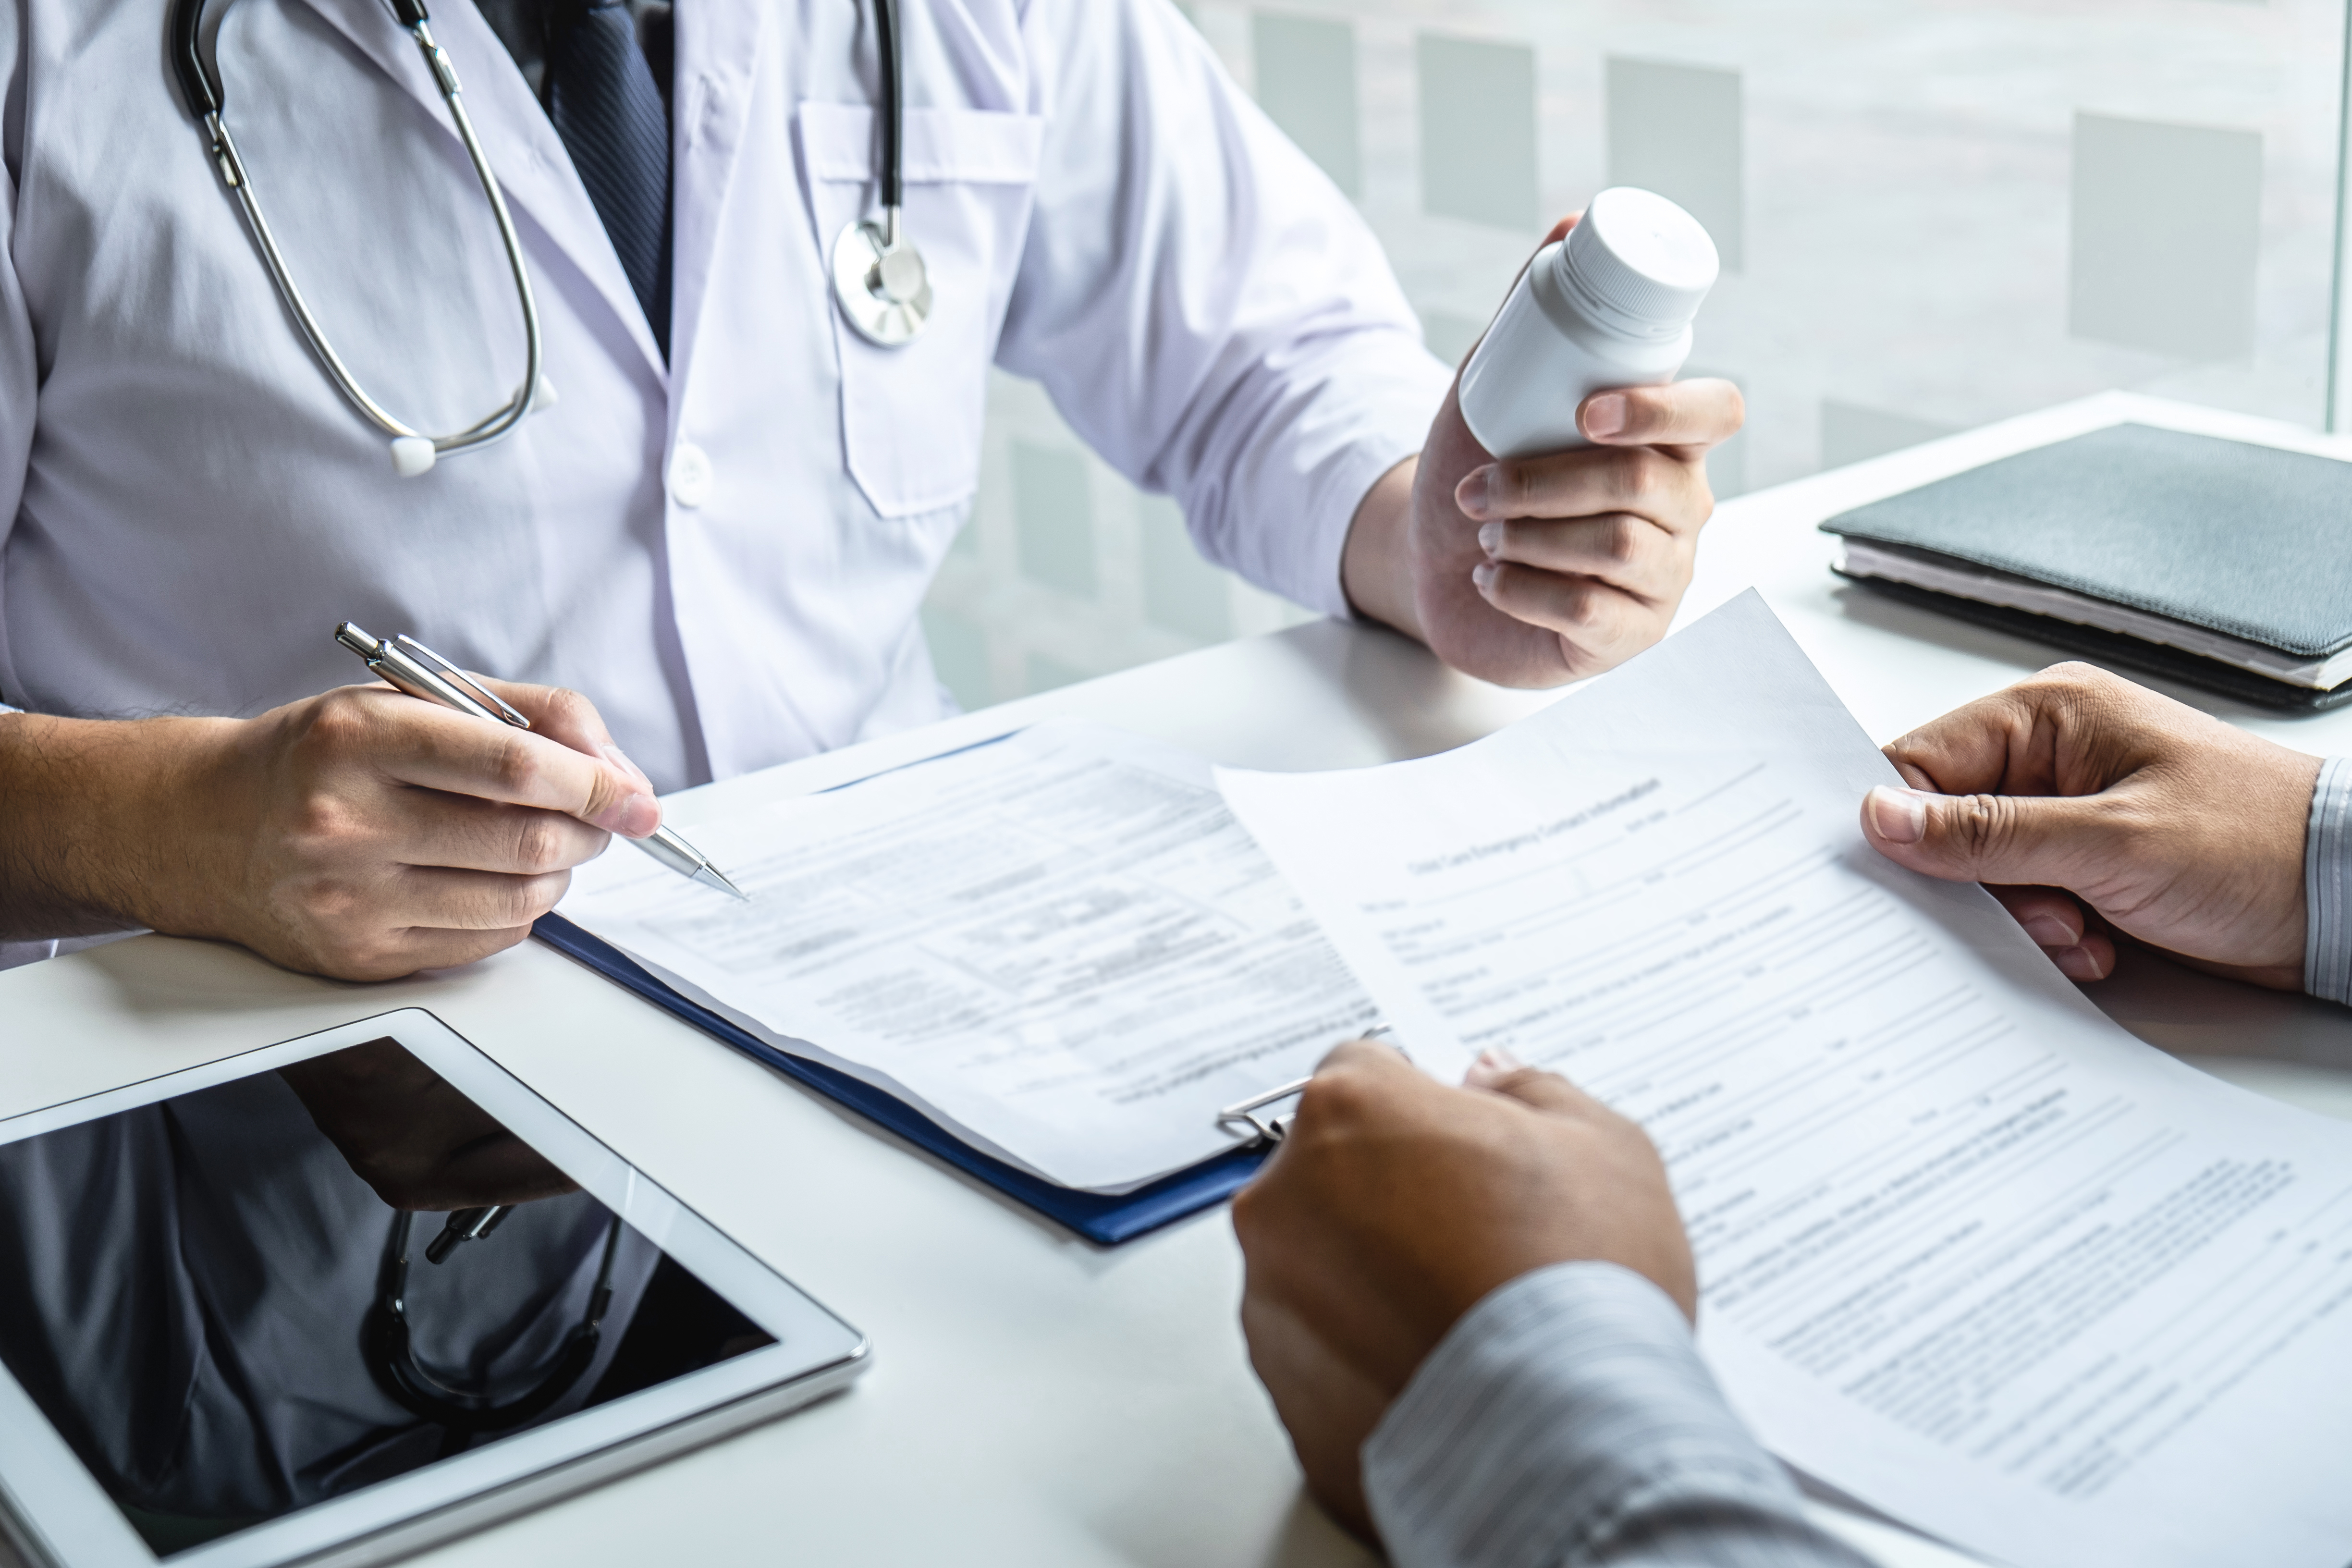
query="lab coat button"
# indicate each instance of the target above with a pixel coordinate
(689, 475)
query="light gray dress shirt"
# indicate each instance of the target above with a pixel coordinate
(2327, 884)
(1567, 1421)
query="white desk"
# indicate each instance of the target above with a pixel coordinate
(1034, 1400)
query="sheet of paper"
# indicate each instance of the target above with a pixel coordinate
(1968, 1250)
(1060, 944)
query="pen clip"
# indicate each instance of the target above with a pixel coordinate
(463, 682)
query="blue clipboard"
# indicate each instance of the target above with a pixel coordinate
(1100, 1218)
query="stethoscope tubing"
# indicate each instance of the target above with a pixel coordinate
(388, 1344)
(205, 97)
(893, 111)
(879, 279)
(413, 451)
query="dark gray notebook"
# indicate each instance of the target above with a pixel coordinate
(2219, 537)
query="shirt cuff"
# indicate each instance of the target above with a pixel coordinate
(1328, 551)
(2327, 884)
(1567, 1419)
(1345, 452)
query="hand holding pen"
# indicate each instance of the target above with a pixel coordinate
(356, 833)
(409, 665)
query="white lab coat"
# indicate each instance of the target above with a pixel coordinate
(727, 553)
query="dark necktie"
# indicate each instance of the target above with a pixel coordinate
(602, 96)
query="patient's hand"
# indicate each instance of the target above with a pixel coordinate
(1396, 1203)
(2078, 787)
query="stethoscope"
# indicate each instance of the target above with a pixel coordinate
(388, 1346)
(879, 275)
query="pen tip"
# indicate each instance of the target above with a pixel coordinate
(713, 877)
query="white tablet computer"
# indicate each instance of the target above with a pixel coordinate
(334, 1300)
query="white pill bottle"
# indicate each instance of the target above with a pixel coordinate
(1608, 306)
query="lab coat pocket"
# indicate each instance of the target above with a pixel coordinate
(910, 416)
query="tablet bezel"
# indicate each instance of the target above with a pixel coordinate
(58, 1513)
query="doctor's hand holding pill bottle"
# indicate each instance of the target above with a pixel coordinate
(1547, 530)
(359, 834)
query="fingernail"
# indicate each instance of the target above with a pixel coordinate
(620, 759)
(1490, 537)
(2049, 931)
(636, 815)
(1475, 491)
(1900, 815)
(1482, 576)
(1605, 414)
(2079, 963)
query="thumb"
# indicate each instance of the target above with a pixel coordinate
(2046, 841)
(618, 803)
(620, 798)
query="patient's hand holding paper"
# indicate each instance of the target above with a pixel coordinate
(1967, 1249)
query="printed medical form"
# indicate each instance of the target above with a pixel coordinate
(1060, 944)
(1968, 1250)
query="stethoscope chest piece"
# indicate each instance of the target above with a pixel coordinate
(880, 280)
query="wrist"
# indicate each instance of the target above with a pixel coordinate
(109, 821)
(1375, 561)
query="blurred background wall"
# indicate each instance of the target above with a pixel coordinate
(1932, 213)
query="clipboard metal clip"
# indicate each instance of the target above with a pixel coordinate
(1269, 1127)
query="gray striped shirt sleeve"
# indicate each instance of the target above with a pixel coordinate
(2327, 884)
(1567, 1419)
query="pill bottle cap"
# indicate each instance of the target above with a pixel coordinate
(1637, 263)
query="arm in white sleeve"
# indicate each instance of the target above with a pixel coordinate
(19, 380)
(1204, 306)
(2327, 884)
(1566, 1420)
(20, 363)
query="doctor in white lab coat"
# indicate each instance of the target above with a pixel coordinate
(724, 546)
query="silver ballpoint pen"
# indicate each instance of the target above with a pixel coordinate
(419, 671)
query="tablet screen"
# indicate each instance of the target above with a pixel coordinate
(259, 1296)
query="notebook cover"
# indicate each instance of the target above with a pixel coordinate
(2236, 538)
(1100, 1218)
(2115, 650)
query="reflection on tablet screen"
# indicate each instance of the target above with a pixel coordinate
(258, 1296)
